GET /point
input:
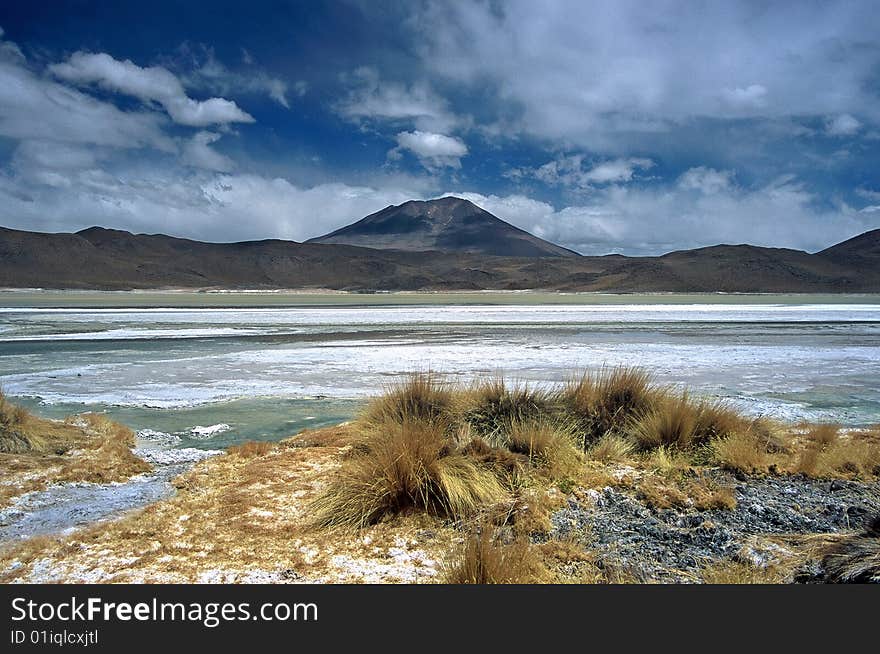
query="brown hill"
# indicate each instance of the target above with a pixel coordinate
(98, 258)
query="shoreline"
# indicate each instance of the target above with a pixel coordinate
(23, 298)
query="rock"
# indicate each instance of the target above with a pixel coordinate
(669, 545)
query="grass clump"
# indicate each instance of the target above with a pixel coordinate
(106, 457)
(251, 449)
(407, 466)
(676, 421)
(483, 559)
(490, 407)
(605, 402)
(700, 492)
(611, 449)
(420, 397)
(828, 454)
(549, 446)
(729, 572)
(743, 452)
(15, 435)
(855, 558)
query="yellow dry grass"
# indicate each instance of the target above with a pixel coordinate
(234, 517)
(484, 559)
(88, 447)
(396, 467)
(729, 572)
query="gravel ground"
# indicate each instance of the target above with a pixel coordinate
(670, 545)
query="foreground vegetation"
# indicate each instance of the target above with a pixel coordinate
(476, 455)
(450, 451)
(462, 484)
(35, 452)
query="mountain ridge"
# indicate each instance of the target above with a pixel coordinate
(447, 224)
(443, 244)
(105, 259)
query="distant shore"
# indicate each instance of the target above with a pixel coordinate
(231, 298)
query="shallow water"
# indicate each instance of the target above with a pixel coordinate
(64, 507)
(251, 372)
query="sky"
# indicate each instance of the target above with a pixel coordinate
(607, 127)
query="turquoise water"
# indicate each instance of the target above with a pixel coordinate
(204, 376)
(263, 419)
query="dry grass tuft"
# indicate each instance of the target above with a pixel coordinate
(676, 421)
(668, 461)
(828, 454)
(707, 495)
(856, 558)
(107, 456)
(736, 572)
(743, 452)
(606, 402)
(485, 560)
(420, 397)
(611, 449)
(490, 407)
(398, 467)
(671, 422)
(700, 492)
(15, 435)
(716, 420)
(549, 446)
(251, 449)
(659, 493)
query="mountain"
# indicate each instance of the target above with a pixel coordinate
(446, 225)
(864, 247)
(98, 258)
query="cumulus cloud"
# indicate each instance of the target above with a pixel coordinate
(372, 98)
(32, 107)
(842, 125)
(592, 74)
(152, 84)
(198, 153)
(433, 150)
(573, 172)
(196, 204)
(633, 220)
(705, 180)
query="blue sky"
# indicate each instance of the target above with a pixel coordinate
(629, 127)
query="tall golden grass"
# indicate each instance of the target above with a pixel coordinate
(427, 445)
(483, 559)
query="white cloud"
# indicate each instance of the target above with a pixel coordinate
(619, 170)
(571, 172)
(198, 153)
(842, 125)
(433, 150)
(868, 194)
(153, 84)
(751, 97)
(632, 220)
(591, 74)
(706, 180)
(371, 98)
(32, 107)
(194, 204)
(209, 73)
